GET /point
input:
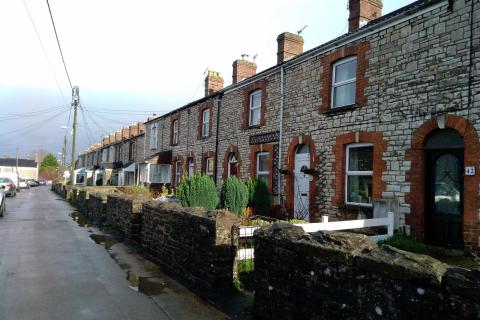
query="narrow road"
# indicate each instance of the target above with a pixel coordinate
(51, 269)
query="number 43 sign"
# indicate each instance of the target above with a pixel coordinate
(469, 171)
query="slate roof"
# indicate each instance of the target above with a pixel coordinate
(12, 162)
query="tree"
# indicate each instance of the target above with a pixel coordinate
(49, 167)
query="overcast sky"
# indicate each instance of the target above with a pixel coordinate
(135, 57)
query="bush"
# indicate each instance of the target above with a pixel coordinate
(251, 184)
(234, 195)
(405, 243)
(197, 191)
(261, 198)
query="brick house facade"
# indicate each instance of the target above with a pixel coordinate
(415, 73)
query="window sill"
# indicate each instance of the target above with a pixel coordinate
(359, 207)
(258, 126)
(341, 109)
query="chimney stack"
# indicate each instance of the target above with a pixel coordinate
(213, 82)
(243, 69)
(289, 45)
(362, 11)
(125, 133)
(133, 128)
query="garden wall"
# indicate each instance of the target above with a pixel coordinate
(124, 214)
(192, 244)
(347, 276)
(97, 204)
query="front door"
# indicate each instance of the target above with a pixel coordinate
(301, 186)
(444, 195)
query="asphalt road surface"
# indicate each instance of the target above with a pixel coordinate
(51, 269)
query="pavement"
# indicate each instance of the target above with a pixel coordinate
(50, 268)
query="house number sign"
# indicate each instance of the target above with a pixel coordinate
(469, 171)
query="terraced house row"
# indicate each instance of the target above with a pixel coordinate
(385, 117)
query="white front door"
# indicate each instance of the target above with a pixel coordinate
(301, 186)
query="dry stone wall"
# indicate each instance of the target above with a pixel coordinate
(347, 276)
(191, 244)
(124, 214)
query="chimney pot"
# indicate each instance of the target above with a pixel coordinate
(213, 82)
(289, 45)
(363, 11)
(243, 69)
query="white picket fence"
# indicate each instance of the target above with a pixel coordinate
(325, 225)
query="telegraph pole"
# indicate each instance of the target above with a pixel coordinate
(75, 102)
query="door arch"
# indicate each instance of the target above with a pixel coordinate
(444, 153)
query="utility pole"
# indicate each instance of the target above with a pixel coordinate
(75, 102)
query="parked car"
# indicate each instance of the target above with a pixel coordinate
(42, 182)
(14, 177)
(24, 184)
(33, 183)
(8, 186)
(3, 204)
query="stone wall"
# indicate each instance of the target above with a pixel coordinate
(97, 207)
(347, 276)
(191, 244)
(124, 214)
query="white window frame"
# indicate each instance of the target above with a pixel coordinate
(356, 173)
(207, 172)
(153, 137)
(257, 165)
(205, 122)
(175, 131)
(178, 172)
(334, 85)
(252, 108)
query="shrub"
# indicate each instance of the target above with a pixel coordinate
(234, 195)
(251, 184)
(197, 191)
(261, 198)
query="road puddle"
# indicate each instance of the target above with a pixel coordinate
(150, 286)
(103, 240)
(80, 219)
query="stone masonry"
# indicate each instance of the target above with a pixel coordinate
(346, 276)
(190, 243)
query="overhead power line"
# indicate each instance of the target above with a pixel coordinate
(45, 53)
(59, 47)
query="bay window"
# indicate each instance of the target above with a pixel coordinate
(358, 174)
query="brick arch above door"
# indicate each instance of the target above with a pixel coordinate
(290, 177)
(416, 177)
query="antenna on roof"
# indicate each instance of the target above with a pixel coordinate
(301, 30)
(255, 57)
(244, 55)
(206, 70)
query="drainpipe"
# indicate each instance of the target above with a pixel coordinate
(219, 103)
(279, 179)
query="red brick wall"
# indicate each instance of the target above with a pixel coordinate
(416, 177)
(243, 69)
(289, 45)
(358, 50)
(363, 10)
(379, 165)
